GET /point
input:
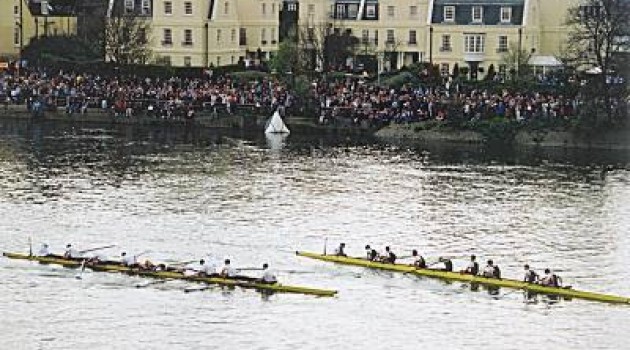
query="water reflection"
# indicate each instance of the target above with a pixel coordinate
(183, 192)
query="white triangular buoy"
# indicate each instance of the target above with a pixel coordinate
(276, 125)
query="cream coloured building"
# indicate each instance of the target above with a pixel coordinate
(22, 20)
(213, 32)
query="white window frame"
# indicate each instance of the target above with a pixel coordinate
(167, 36)
(146, 7)
(263, 35)
(188, 34)
(233, 35)
(16, 36)
(474, 43)
(506, 14)
(292, 7)
(370, 11)
(129, 6)
(477, 10)
(187, 61)
(500, 47)
(188, 5)
(445, 69)
(413, 34)
(390, 36)
(365, 36)
(168, 8)
(449, 41)
(449, 13)
(391, 11)
(413, 11)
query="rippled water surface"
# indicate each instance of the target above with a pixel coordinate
(183, 194)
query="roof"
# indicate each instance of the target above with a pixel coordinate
(544, 61)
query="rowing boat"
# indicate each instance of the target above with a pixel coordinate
(231, 282)
(455, 276)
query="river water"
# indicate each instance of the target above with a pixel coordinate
(182, 193)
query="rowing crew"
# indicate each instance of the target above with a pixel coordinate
(491, 270)
(202, 269)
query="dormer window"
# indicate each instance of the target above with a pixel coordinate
(477, 14)
(506, 14)
(449, 13)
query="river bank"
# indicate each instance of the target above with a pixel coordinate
(617, 139)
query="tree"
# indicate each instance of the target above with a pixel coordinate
(491, 73)
(516, 62)
(126, 39)
(288, 57)
(600, 32)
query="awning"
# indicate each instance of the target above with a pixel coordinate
(544, 61)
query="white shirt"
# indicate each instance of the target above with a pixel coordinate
(208, 268)
(488, 271)
(129, 260)
(269, 277)
(43, 251)
(72, 253)
(228, 271)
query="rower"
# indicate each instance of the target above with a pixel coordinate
(128, 260)
(448, 264)
(550, 279)
(268, 276)
(227, 270)
(207, 268)
(43, 251)
(473, 267)
(373, 255)
(530, 275)
(368, 252)
(388, 257)
(418, 260)
(71, 253)
(491, 271)
(340, 250)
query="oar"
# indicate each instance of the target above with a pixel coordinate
(80, 275)
(142, 253)
(325, 244)
(508, 293)
(30, 246)
(95, 249)
(182, 263)
(152, 283)
(190, 290)
(250, 269)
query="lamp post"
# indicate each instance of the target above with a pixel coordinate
(518, 53)
(431, 45)
(379, 66)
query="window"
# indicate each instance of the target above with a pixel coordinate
(311, 9)
(412, 37)
(413, 11)
(187, 61)
(341, 11)
(166, 60)
(242, 36)
(219, 34)
(142, 35)
(446, 43)
(146, 7)
(390, 36)
(263, 8)
(449, 13)
(391, 11)
(16, 36)
(292, 7)
(273, 35)
(273, 8)
(353, 10)
(477, 14)
(233, 35)
(365, 36)
(263, 36)
(218, 60)
(226, 9)
(474, 43)
(167, 37)
(444, 69)
(506, 14)
(232, 59)
(376, 37)
(129, 6)
(503, 44)
(168, 8)
(188, 39)
(502, 70)
(370, 11)
(16, 10)
(188, 9)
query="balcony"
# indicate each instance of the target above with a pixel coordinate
(474, 56)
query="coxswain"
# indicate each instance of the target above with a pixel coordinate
(71, 253)
(43, 251)
(530, 275)
(551, 279)
(491, 271)
(473, 267)
(340, 250)
(448, 264)
(418, 260)
(268, 276)
(227, 270)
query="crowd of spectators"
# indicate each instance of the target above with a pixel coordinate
(166, 98)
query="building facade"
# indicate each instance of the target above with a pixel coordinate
(214, 32)
(22, 20)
